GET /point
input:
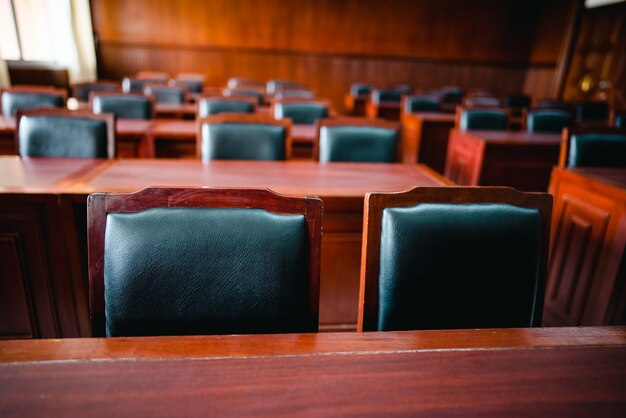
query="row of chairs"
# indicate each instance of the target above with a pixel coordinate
(221, 261)
(61, 133)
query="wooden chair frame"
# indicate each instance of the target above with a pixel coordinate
(249, 118)
(101, 204)
(582, 129)
(375, 203)
(357, 121)
(108, 118)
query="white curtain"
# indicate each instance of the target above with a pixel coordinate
(5, 81)
(72, 38)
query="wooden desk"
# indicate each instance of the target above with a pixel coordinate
(515, 372)
(425, 138)
(61, 225)
(502, 158)
(587, 271)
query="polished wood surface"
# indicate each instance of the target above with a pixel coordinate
(554, 372)
(521, 160)
(342, 187)
(329, 45)
(586, 282)
(425, 138)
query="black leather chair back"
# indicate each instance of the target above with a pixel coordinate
(125, 106)
(14, 100)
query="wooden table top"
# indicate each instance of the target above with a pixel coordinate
(292, 178)
(612, 176)
(511, 137)
(514, 372)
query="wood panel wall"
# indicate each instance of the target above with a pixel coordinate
(600, 52)
(330, 44)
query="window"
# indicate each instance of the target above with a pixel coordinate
(25, 30)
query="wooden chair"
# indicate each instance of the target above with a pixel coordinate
(232, 136)
(123, 105)
(301, 111)
(455, 257)
(384, 103)
(421, 103)
(31, 97)
(167, 94)
(82, 91)
(593, 146)
(592, 112)
(214, 105)
(355, 100)
(65, 133)
(179, 261)
(357, 140)
(193, 82)
(482, 118)
(546, 120)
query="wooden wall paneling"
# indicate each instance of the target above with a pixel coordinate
(37, 297)
(586, 273)
(326, 44)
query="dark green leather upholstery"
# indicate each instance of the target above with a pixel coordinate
(12, 101)
(483, 119)
(58, 136)
(358, 144)
(166, 94)
(274, 86)
(215, 106)
(421, 104)
(386, 96)
(597, 150)
(548, 120)
(451, 95)
(297, 94)
(358, 89)
(459, 266)
(181, 271)
(302, 113)
(592, 112)
(620, 120)
(243, 141)
(246, 93)
(82, 91)
(124, 106)
(134, 85)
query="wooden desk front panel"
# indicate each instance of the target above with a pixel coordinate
(587, 272)
(436, 373)
(425, 138)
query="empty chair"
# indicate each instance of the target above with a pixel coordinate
(274, 86)
(413, 104)
(167, 94)
(357, 140)
(554, 104)
(256, 94)
(592, 112)
(216, 105)
(548, 120)
(440, 258)
(593, 147)
(360, 89)
(126, 106)
(203, 261)
(482, 101)
(230, 136)
(451, 95)
(482, 119)
(619, 120)
(298, 94)
(193, 82)
(65, 133)
(385, 96)
(301, 112)
(138, 85)
(23, 98)
(81, 91)
(384, 103)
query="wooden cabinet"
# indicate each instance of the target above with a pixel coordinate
(588, 264)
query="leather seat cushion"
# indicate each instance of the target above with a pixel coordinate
(176, 271)
(483, 119)
(597, 150)
(246, 141)
(548, 120)
(458, 266)
(358, 144)
(301, 113)
(14, 101)
(213, 107)
(126, 107)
